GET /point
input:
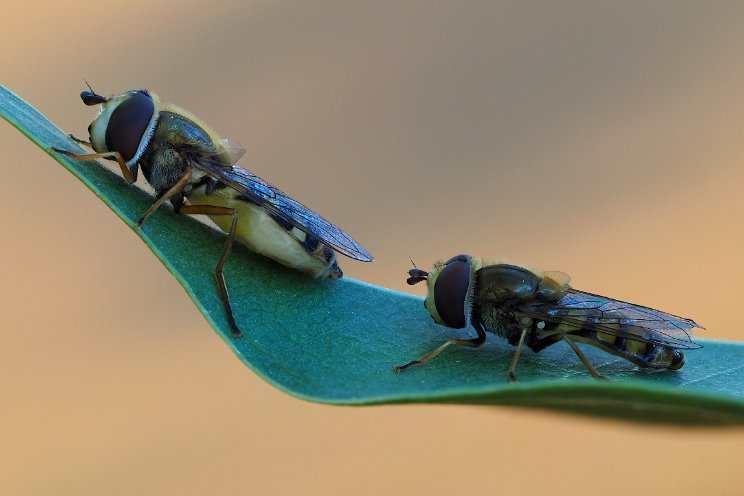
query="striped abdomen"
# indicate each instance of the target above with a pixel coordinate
(641, 353)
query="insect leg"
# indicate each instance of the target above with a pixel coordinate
(513, 366)
(215, 210)
(472, 343)
(583, 358)
(170, 193)
(78, 140)
(128, 175)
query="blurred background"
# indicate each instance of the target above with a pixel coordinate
(601, 139)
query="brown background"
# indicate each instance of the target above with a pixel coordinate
(604, 141)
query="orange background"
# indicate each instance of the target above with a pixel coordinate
(604, 141)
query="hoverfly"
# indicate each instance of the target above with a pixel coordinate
(188, 165)
(533, 308)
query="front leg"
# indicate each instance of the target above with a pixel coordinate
(471, 343)
(80, 141)
(128, 174)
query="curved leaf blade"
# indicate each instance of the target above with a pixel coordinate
(335, 341)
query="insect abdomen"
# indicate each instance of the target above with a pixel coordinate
(269, 236)
(639, 352)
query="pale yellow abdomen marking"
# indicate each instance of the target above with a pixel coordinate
(261, 233)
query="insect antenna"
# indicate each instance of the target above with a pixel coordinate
(416, 275)
(91, 98)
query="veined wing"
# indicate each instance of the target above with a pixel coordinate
(599, 313)
(279, 204)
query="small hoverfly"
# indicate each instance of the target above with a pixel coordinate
(188, 165)
(533, 308)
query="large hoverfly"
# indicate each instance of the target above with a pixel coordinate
(529, 307)
(188, 165)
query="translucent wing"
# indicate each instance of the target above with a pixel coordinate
(231, 148)
(234, 150)
(588, 311)
(277, 203)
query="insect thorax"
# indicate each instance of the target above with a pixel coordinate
(497, 319)
(163, 161)
(500, 288)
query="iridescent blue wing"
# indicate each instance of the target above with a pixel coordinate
(586, 311)
(277, 203)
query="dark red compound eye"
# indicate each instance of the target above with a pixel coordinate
(128, 123)
(450, 291)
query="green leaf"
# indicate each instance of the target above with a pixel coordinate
(335, 341)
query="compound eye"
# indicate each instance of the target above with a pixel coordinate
(89, 98)
(450, 291)
(458, 258)
(128, 123)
